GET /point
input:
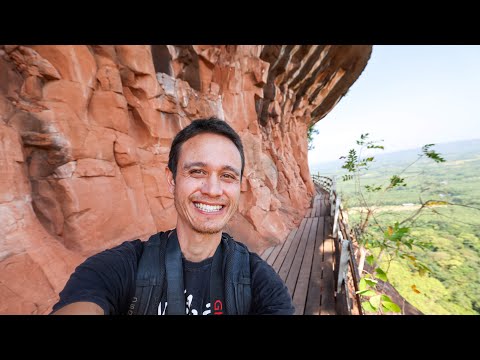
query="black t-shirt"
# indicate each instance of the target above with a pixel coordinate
(108, 280)
(196, 277)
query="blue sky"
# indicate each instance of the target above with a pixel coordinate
(409, 96)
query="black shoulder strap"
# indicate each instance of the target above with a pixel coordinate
(238, 294)
(217, 283)
(150, 278)
(174, 269)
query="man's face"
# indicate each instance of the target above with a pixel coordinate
(207, 185)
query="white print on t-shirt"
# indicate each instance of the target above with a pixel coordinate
(188, 307)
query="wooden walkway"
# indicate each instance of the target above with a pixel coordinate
(305, 260)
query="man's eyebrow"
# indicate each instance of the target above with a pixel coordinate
(232, 169)
(194, 164)
(187, 166)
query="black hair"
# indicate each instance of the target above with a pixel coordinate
(200, 126)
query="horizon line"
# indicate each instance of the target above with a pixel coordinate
(396, 151)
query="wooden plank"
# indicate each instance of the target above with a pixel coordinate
(320, 206)
(326, 206)
(273, 256)
(314, 209)
(307, 214)
(297, 260)
(341, 305)
(316, 202)
(283, 272)
(323, 205)
(327, 302)
(312, 306)
(267, 252)
(276, 250)
(281, 256)
(301, 288)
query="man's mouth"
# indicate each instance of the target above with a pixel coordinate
(207, 207)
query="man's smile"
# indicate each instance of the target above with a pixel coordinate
(208, 208)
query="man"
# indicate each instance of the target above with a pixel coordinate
(185, 270)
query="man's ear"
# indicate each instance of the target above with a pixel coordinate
(170, 180)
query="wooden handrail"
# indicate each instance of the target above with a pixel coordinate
(346, 272)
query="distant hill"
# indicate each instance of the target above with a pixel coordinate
(455, 150)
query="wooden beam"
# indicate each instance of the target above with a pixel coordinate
(283, 272)
(297, 260)
(312, 306)
(327, 304)
(301, 288)
(283, 253)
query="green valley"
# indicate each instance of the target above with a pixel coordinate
(453, 231)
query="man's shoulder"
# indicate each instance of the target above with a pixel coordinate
(131, 246)
(127, 249)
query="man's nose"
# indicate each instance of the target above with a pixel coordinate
(212, 186)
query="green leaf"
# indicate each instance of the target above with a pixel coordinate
(368, 307)
(367, 293)
(375, 301)
(391, 306)
(362, 285)
(386, 298)
(381, 274)
(432, 154)
(370, 260)
(395, 180)
(371, 282)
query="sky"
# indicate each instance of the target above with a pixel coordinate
(408, 96)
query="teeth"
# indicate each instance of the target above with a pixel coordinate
(208, 208)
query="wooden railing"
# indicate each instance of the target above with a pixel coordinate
(323, 181)
(346, 275)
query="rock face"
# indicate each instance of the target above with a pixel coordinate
(85, 133)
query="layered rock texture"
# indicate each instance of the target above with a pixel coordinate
(85, 133)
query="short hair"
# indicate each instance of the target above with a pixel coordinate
(211, 125)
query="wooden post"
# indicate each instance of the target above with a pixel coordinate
(336, 218)
(333, 194)
(343, 266)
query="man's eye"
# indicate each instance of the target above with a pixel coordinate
(197, 172)
(229, 176)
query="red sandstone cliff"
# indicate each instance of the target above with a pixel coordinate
(85, 134)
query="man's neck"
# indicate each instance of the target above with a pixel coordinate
(197, 246)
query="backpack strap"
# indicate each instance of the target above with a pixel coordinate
(150, 279)
(217, 283)
(174, 270)
(238, 294)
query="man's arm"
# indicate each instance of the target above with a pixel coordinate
(102, 284)
(80, 308)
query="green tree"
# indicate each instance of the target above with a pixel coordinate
(375, 238)
(311, 131)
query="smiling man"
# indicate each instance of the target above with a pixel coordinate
(195, 268)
